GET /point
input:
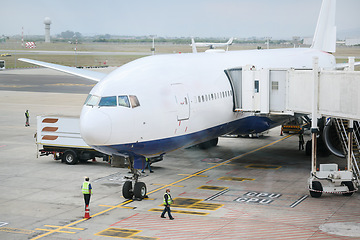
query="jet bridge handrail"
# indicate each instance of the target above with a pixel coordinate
(355, 165)
(344, 138)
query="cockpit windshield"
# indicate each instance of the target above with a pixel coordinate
(92, 100)
(129, 101)
(134, 101)
(108, 101)
(124, 101)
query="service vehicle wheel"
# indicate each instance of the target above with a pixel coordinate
(350, 186)
(69, 157)
(140, 190)
(316, 185)
(127, 190)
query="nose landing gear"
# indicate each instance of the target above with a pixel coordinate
(139, 191)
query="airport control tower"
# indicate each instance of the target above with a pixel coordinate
(47, 22)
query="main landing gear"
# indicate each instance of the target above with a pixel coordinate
(132, 188)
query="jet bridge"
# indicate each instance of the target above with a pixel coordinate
(290, 91)
(322, 93)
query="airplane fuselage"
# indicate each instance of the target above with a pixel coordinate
(184, 99)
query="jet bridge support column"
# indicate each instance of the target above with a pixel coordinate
(314, 126)
(315, 186)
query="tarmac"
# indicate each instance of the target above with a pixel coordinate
(245, 188)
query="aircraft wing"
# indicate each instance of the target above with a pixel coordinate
(95, 76)
(342, 66)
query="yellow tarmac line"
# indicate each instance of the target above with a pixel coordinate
(163, 187)
(42, 229)
(110, 206)
(158, 184)
(183, 174)
(52, 226)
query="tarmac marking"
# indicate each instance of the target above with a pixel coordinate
(217, 195)
(123, 233)
(16, 230)
(236, 179)
(118, 232)
(52, 226)
(194, 203)
(164, 187)
(158, 184)
(183, 174)
(111, 206)
(263, 166)
(180, 211)
(3, 224)
(297, 202)
(215, 188)
(60, 231)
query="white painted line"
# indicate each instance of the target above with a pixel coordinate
(3, 224)
(299, 201)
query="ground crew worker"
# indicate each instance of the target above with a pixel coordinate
(301, 141)
(87, 191)
(147, 164)
(167, 202)
(27, 116)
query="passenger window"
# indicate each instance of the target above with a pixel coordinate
(108, 101)
(134, 101)
(124, 101)
(256, 86)
(199, 98)
(93, 101)
(203, 99)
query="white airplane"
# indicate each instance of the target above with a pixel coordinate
(161, 103)
(210, 45)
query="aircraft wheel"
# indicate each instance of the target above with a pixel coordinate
(350, 186)
(316, 186)
(127, 190)
(69, 157)
(140, 190)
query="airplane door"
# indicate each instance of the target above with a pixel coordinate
(278, 90)
(182, 101)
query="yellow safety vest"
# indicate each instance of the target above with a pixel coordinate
(169, 201)
(85, 188)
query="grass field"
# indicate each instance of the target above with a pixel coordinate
(70, 59)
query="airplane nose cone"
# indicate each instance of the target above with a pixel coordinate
(95, 126)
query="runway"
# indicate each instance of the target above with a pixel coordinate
(245, 188)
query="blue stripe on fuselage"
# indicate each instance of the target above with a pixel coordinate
(252, 124)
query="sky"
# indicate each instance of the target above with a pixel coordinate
(279, 19)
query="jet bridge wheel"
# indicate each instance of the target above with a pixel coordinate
(316, 185)
(350, 186)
